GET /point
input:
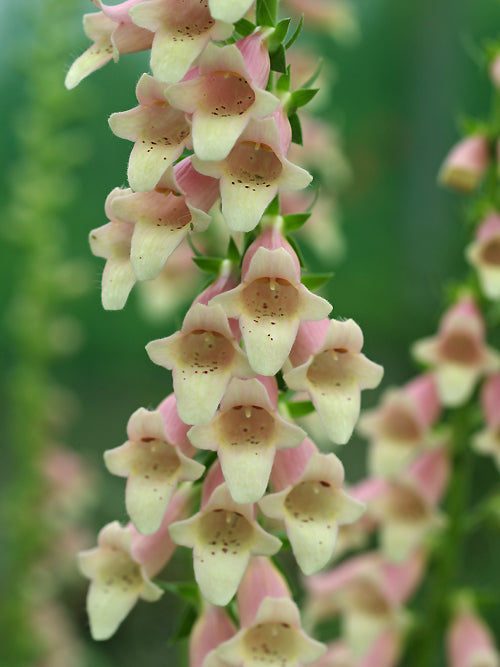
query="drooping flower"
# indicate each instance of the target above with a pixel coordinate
(487, 441)
(223, 98)
(203, 356)
(211, 629)
(400, 426)
(159, 131)
(246, 432)
(312, 507)
(470, 643)
(112, 33)
(223, 536)
(113, 241)
(116, 580)
(484, 254)
(407, 510)
(458, 355)
(271, 630)
(271, 302)
(164, 217)
(154, 464)
(251, 175)
(329, 366)
(182, 29)
(466, 163)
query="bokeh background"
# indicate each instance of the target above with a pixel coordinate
(396, 98)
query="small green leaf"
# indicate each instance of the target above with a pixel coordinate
(244, 27)
(187, 590)
(279, 35)
(315, 74)
(297, 409)
(185, 627)
(208, 264)
(278, 60)
(233, 254)
(296, 129)
(300, 98)
(297, 32)
(314, 281)
(274, 207)
(296, 248)
(295, 221)
(265, 12)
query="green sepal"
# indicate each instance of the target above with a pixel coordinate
(187, 590)
(266, 12)
(209, 264)
(278, 37)
(206, 457)
(244, 27)
(314, 281)
(298, 409)
(283, 83)
(296, 33)
(295, 221)
(233, 254)
(278, 59)
(296, 129)
(274, 207)
(296, 249)
(300, 98)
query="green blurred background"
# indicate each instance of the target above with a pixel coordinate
(397, 96)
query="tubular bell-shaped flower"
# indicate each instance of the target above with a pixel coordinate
(113, 242)
(163, 217)
(466, 163)
(160, 133)
(458, 355)
(487, 441)
(117, 580)
(251, 175)
(312, 507)
(484, 254)
(223, 536)
(223, 98)
(230, 12)
(112, 33)
(182, 29)
(271, 631)
(330, 367)
(246, 432)
(211, 629)
(271, 302)
(400, 426)
(469, 642)
(154, 464)
(203, 356)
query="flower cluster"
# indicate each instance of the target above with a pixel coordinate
(214, 126)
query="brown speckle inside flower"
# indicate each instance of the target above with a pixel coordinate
(226, 94)
(247, 425)
(156, 459)
(270, 299)
(253, 164)
(399, 424)
(329, 368)
(225, 532)
(461, 347)
(271, 644)
(312, 501)
(206, 351)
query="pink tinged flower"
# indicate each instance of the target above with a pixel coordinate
(182, 28)
(153, 465)
(458, 355)
(466, 163)
(334, 373)
(159, 131)
(246, 432)
(154, 551)
(116, 580)
(407, 510)
(222, 100)
(270, 303)
(203, 356)
(400, 427)
(113, 241)
(112, 33)
(484, 254)
(487, 441)
(312, 509)
(211, 629)
(162, 219)
(470, 643)
(223, 536)
(252, 174)
(271, 628)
